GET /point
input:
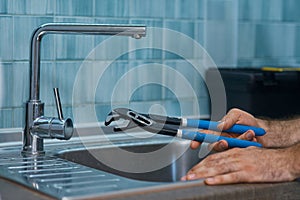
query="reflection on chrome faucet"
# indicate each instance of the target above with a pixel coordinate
(51, 127)
(37, 126)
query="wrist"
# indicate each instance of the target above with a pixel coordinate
(279, 133)
(293, 153)
(265, 140)
(263, 124)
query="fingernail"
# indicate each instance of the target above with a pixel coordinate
(183, 178)
(210, 180)
(249, 136)
(223, 146)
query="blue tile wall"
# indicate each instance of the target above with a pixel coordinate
(33, 7)
(6, 85)
(290, 11)
(190, 75)
(297, 43)
(151, 9)
(111, 8)
(247, 34)
(6, 29)
(6, 117)
(235, 33)
(221, 10)
(3, 7)
(23, 27)
(74, 8)
(184, 27)
(180, 9)
(221, 42)
(267, 10)
(277, 40)
(109, 79)
(19, 83)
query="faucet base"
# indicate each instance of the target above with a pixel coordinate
(32, 145)
(36, 147)
(31, 154)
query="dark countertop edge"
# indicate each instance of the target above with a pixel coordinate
(12, 190)
(272, 191)
(190, 191)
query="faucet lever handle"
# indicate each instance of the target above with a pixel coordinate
(58, 104)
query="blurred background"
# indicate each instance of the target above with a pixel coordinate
(235, 33)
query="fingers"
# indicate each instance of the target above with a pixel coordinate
(212, 165)
(216, 165)
(194, 144)
(248, 135)
(221, 145)
(230, 167)
(229, 119)
(235, 177)
(236, 116)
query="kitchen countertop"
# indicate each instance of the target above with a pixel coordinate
(180, 190)
(11, 190)
(288, 190)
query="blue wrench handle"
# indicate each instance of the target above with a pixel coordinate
(209, 138)
(212, 125)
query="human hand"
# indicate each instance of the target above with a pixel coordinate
(234, 116)
(250, 164)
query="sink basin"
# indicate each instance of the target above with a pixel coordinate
(99, 166)
(165, 161)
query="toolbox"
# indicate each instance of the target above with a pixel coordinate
(268, 91)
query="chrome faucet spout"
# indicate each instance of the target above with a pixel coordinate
(91, 29)
(37, 126)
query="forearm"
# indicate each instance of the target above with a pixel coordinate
(294, 153)
(280, 133)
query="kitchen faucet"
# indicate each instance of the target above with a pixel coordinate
(37, 126)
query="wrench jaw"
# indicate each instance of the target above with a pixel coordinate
(111, 117)
(129, 119)
(122, 119)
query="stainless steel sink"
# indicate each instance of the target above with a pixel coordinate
(101, 166)
(162, 161)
